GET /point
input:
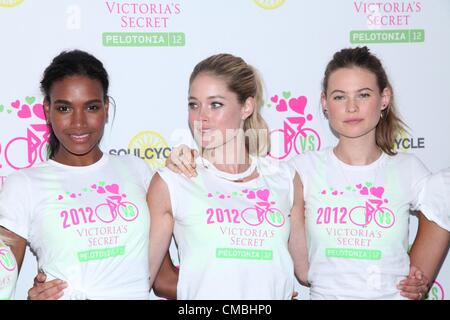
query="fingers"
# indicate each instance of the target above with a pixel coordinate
(51, 290)
(182, 160)
(40, 278)
(294, 295)
(413, 288)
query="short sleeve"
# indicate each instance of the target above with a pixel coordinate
(169, 178)
(15, 204)
(419, 175)
(144, 171)
(434, 200)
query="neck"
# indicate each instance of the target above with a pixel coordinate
(231, 157)
(358, 152)
(64, 157)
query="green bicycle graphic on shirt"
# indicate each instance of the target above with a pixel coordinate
(262, 210)
(113, 207)
(6, 260)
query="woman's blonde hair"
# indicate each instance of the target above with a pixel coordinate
(242, 79)
(390, 124)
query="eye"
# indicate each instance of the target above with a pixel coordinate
(364, 95)
(63, 108)
(339, 97)
(216, 105)
(93, 107)
(192, 105)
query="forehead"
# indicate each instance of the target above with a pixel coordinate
(76, 85)
(355, 78)
(207, 83)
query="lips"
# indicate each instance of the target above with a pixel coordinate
(80, 137)
(353, 121)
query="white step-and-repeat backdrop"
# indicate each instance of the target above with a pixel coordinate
(149, 48)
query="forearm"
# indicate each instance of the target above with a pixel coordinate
(429, 248)
(165, 284)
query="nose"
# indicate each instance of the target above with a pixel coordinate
(204, 114)
(352, 105)
(79, 119)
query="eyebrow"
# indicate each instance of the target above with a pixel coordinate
(359, 90)
(209, 98)
(68, 102)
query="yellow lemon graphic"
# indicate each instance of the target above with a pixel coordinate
(269, 4)
(398, 147)
(10, 3)
(151, 146)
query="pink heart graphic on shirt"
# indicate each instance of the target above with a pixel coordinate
(377, 192)
(324, 192)
(251, 195)
(274, 99)
(334, 193)
(113, 188)
(38, 110)
(222, 196)
(72, 195)
(245, 191)
(24, 112)
(101, 190)
(60, 197)
(364, 191)
(263, 194)
(15, 104)
(210, 195)
(359, 186)
(282, 106)
(94, 186)
(298, 104)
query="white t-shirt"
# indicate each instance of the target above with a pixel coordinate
(357, 223)
(87, 225)
(435, 198)
(233, 237)
(8, 272)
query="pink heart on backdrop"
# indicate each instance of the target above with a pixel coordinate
(24, 112)
(113, 188)
(101, 190)
(251, 195)
(364, 191)
(274, 99)
(222, 196)
(359, 186)
(334, 193)
(377, 192)
(94, 186)
(263, 194)
(15, 104)
(38, 110)
(60, 197)
(324, 192)
(282, 106)
(210, 195)
(298, 104)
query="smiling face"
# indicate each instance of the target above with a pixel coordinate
(77, 112)
(215, 112)
(353, 102)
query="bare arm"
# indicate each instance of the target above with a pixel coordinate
(165, 284)
(429, 248)
(297, 238)
(161, 226)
